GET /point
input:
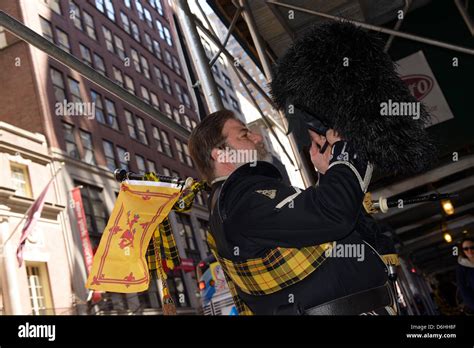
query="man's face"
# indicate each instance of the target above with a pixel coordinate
(468, 248)
(247, 146)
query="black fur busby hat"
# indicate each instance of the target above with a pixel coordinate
(339, 74)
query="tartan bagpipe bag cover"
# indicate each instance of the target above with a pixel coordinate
(120, 263)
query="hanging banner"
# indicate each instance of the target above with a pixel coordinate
(415, 71)
(82, 227)
(120, 263)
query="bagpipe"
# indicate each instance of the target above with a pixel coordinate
(383, 204)
(138, 241)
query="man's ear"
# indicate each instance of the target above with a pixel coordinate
(215, 154)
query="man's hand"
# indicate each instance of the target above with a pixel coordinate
(318, 143)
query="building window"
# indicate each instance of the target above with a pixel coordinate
(185, 230)
(95, 211)
(148, 42)
(123, 158)
(136, 60)
(128, 3)
(203, 228)
(145, 67)
(177, 67)
(85, 54)
(235, 104)
(99, 4)
(168, 60)
(154, 101)
(176, 116)
(39, 288)
(54, 5)
(109, 155)
(177, 289)
(140, 130)
(129, 84)
(99, 64)
(179, 148)
(74, 90)
(168, 111)
(168, 39)
(157, 137)
(222, 92)
(63, 40)
(187, 156)
(157, 48)
(119, 48)
(109, 44)
(58, 85)
(159, 26)
(166, 171)
(135, 31)
(179, 93)
(3, 38)
(187, 101)
(130, 124)
(111, 114)
(71, 144)
(118, 76)
(136, 127)
(46, 29)
(187, 122)
(125, 22)
(227, 80)
(139, 7)
(166, 143)
(215, 69)
(148, 18)
(159, 7)
(75, 15)
(109, 8)
(151, 166)
(87, 147)
(99, 107)
(159, 77)
(166, 84)
(145, 94)
(20, 179)
(90, 27)
(141, 164)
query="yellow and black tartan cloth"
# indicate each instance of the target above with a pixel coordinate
(163, 241)
(278, 269)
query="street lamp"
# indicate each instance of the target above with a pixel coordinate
(447, 206)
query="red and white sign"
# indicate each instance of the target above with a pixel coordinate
(187, 265)
(415, 71)
(82, 226)
(84, 233)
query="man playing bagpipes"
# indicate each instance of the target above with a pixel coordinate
(285, 250)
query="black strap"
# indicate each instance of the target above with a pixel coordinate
(355, 304)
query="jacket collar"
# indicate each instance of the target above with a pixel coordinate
(465, 262)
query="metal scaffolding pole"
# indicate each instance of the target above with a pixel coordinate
(242, 70)
(398, 25)
(264, 117)
(257, 40)
(26, 34)
(379, 29)
(198, 55)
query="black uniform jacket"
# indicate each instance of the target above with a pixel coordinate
(254, 211)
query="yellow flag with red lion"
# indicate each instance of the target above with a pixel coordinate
(120, 263)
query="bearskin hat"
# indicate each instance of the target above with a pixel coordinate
(339, 74)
